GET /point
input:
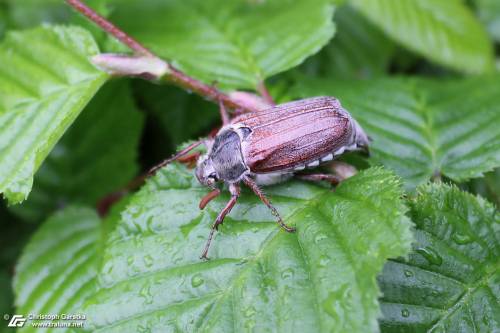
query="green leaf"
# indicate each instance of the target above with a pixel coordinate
(6, 298)
(234, 43)
(444, 31)
(45, 81)
(30, 13)
(321, 278)
(58, 267)
(423, 128)
(358, 50)
(451, 281)
(179, 115)
(96, 156)
(5, 291)
(489, 13)
(13, 237)
(3, 20)
(487, 187)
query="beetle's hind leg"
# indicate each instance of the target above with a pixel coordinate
(235, 193)
(341, 171)
(255, 188)
(319, 177)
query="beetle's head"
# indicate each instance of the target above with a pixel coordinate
(205, 172)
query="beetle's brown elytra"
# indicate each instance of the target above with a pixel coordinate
(259, 147)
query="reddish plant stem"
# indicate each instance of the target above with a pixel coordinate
(109, 27)
(264, 93)
(176, 76)
(210, 92)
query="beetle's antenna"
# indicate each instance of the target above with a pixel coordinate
(178, 155)
(235, 193)
(105, 203)
(109, 27)
(255, 188)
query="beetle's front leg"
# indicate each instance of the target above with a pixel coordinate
(208, 197)
(235, 193)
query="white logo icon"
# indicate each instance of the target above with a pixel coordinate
(17, 321)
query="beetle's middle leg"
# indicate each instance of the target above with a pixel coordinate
(255, 188)
(235, 193)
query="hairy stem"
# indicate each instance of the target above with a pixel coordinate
(174, 75)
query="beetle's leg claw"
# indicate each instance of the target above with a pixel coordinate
(286, 227)
(235, 192)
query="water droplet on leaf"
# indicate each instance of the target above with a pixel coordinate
(249, 324)
(408, 273)
(324, 260)
(148, 260)
(142, 329)
(431, 255)
(319, 238)
(461, 239)
(146, 294)
(336, 302)
(287, 273)
(249, 312)
(197, 281)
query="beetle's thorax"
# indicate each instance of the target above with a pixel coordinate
(224, 159)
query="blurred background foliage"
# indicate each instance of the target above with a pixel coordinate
(140, 122)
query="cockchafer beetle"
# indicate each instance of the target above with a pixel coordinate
(270, 146)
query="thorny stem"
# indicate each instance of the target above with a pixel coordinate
(174, 75)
